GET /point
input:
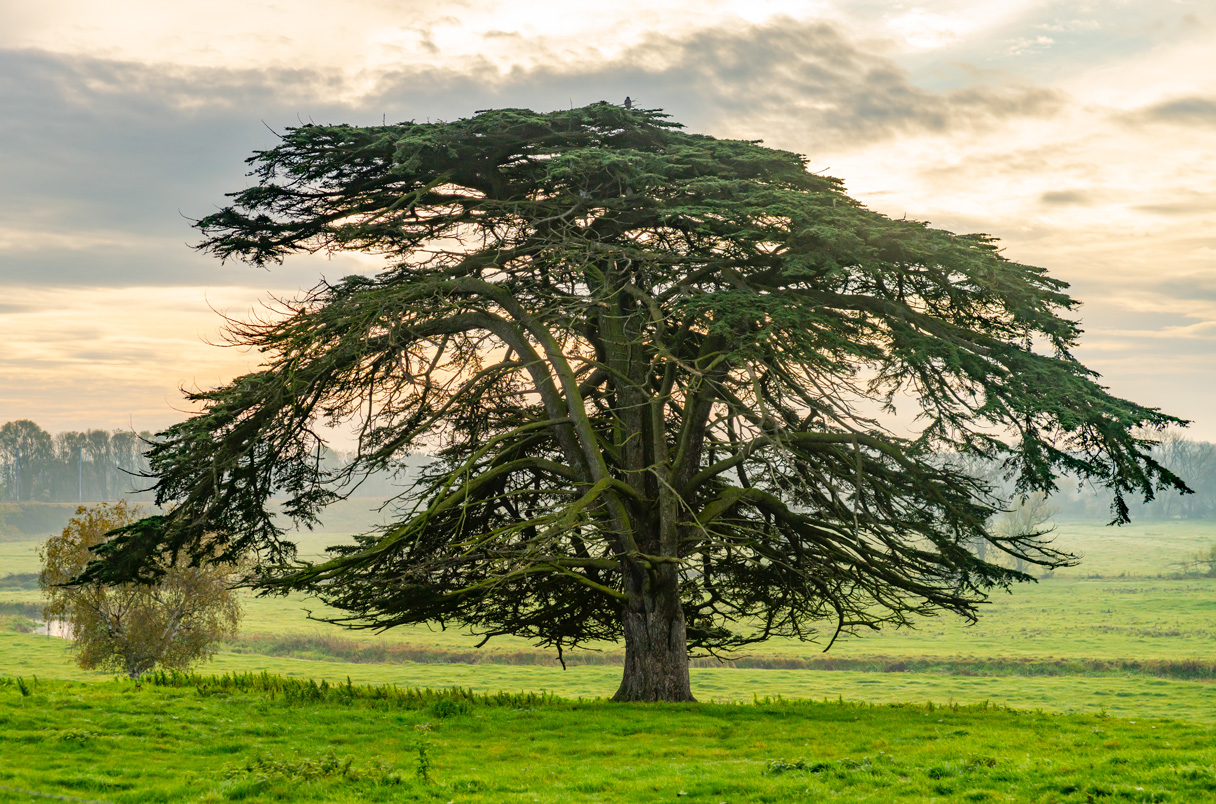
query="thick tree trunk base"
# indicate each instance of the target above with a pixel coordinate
(656, 653)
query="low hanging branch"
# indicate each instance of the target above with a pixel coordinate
(640, 358)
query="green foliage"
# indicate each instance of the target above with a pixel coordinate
(423, 768)
(20, 610)
(17, 624)
(24, 581)
(308, 769)
(174, 622)
(449, 702)
(840, 768)
(77, 737)
(643, 359)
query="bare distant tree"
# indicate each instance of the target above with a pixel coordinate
(1027, 518)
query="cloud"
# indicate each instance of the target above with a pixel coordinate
(1066, 198)
(1029, 45)
(78, 357)
(803, 83)
(1188, 111)
(1181, 202)
(1191, 286)
(1178, 208)
(106, 162)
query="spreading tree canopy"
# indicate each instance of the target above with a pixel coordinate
(653, 369)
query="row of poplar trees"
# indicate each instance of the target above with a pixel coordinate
(93, 465)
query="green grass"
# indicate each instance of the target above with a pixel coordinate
(1070, 616)
(117, 742)
(1110, 618)
(1138, 615)
(1008, 719)
(1078, 618)
(1069, 644)
(19, 557)
(1120, 695)
(1142, 548)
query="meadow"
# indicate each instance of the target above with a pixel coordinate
(1120, 603)
(1099, 680)
(262, 739)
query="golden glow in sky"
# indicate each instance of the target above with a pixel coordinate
(1080, 133)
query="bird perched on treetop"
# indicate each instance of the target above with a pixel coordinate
(628, 102)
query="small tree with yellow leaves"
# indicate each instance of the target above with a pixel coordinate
(174, 622)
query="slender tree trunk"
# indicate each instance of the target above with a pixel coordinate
(656, 647)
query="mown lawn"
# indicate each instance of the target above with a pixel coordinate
(116, 742)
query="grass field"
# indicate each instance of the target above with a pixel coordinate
(1061, 618)
(1131, 611)
(203, 742)
(1095, 666)
(1117, 695)
(1141, 549)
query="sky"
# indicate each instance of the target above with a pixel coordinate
(1082, 134)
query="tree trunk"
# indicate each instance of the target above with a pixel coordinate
(656, 647)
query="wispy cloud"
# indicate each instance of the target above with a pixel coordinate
(1066, 197)
(1182, 111)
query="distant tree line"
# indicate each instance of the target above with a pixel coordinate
(102, 466)
(1193, 461)
(93, 465)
